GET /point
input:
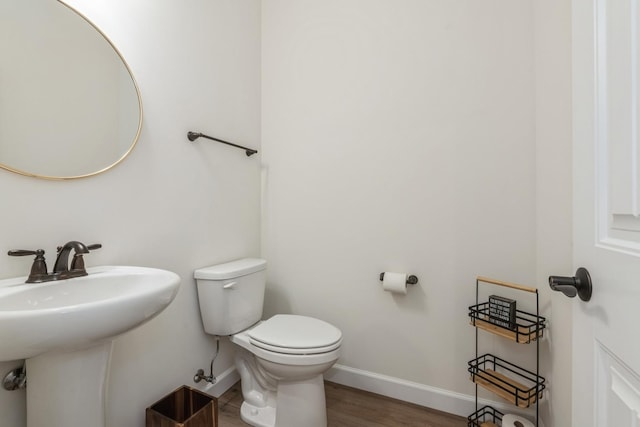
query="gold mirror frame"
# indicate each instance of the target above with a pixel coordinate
(138, 130)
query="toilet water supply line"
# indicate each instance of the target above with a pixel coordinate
(199, 376)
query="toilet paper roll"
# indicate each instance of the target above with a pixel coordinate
(513, 420)
(395, 282)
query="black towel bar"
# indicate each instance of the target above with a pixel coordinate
(195, 135)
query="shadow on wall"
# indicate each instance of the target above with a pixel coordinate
(275, 301)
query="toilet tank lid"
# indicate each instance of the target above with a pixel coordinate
(230, 270)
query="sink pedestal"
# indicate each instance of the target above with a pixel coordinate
(68, 388)
(64, 330)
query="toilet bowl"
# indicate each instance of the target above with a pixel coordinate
(290, 354)
(281, 360)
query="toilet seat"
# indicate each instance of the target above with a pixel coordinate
(299, 349)
(295, 351)
(295, 335)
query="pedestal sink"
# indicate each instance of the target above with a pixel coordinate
(65, 329)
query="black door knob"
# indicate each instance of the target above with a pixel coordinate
(580, 284)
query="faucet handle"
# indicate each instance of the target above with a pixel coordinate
(25, 252)
(77, 262)
(39, 266)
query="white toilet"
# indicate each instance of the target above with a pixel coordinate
(281, 360)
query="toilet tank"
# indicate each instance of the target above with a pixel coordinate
(231, 295)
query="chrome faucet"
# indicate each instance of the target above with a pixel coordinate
(61, 268)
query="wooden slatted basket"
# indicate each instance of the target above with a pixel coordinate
(184, 407)
(528, 327)
(511, 382)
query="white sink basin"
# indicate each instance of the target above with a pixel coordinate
(65, 330)
(71, 314)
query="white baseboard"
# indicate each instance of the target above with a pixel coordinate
(224, 382)
(408, 391)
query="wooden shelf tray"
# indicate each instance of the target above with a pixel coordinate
(511, 382)
(529, 327)
(486, 416)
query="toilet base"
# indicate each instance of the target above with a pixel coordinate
(298, 403)
(258, 417)
(301, 403)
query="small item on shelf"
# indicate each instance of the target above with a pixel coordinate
(502, 311)
(514, 420)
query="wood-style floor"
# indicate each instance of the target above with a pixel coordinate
(348, 407)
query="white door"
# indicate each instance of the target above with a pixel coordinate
(606, 103)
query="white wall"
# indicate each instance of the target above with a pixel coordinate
(171, 204)
(419, 136)
(399, 136)
(554, 196)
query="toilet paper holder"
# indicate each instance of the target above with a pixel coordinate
(411, 280)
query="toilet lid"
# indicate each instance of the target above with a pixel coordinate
(292, 334)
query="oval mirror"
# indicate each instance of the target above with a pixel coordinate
(69, 105)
